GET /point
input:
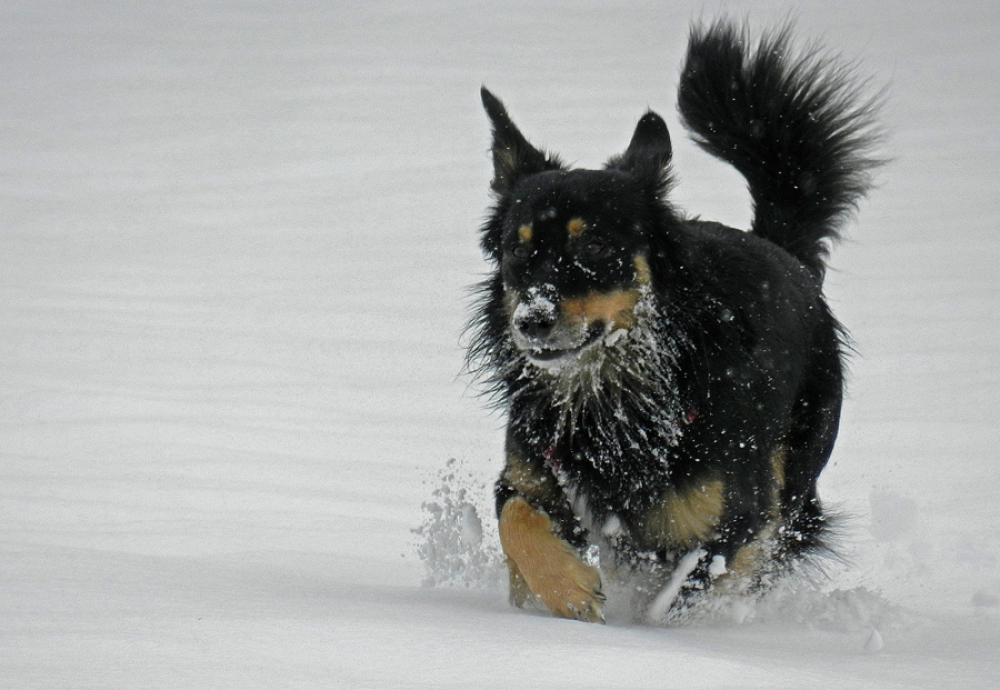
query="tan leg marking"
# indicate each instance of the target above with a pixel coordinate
(739, 570)
(548, 565)
(744, 566)
(685, 518)
(525, 478)
(745, 561)
(779, 456)
(643, 275)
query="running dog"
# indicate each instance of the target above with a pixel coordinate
(672, 386)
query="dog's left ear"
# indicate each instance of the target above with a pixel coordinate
(513, 156)
(649, 153)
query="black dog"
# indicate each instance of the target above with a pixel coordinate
(673, 386)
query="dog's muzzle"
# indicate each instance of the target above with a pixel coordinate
(540, 331)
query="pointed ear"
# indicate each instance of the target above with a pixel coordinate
(513, 156)
(648, 154)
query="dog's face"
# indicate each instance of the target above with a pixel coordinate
(573, 263)
(572, 244)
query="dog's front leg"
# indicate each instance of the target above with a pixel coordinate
(542, 538)
(546, 565)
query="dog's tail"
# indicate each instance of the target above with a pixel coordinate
(796, 126)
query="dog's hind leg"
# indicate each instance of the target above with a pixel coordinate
(810, 440)
(709, 536)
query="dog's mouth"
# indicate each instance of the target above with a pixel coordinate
(549, 356)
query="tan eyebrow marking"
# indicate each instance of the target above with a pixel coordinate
(576, 226)
(525, 233)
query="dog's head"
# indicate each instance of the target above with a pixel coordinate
(573, 245)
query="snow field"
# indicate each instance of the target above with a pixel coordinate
(237, 242)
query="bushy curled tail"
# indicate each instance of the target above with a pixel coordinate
(795, 125)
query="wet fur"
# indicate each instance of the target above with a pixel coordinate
(693, 423)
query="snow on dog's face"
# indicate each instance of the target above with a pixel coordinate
(573, 269)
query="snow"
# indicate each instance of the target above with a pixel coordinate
(665, 599)
(238, 242)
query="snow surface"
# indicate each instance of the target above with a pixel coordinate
(237, 241)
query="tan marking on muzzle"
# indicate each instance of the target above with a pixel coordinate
(614, 308)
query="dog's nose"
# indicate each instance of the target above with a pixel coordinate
(537, 325)
(537, 313)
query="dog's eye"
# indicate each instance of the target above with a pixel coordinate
(592, 249)
(522, 251)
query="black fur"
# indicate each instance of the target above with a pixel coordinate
(728, 356)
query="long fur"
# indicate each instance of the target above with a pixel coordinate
(793, 126)
(725, 373)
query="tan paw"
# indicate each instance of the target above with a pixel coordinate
(569, 588)
(547, 566)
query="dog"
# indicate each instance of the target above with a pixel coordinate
(672, 386)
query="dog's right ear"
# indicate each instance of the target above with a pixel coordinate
(513, 156)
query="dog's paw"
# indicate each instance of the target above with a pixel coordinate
(567, 587)
(547, 567)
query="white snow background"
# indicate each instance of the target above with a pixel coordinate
(236, 240)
